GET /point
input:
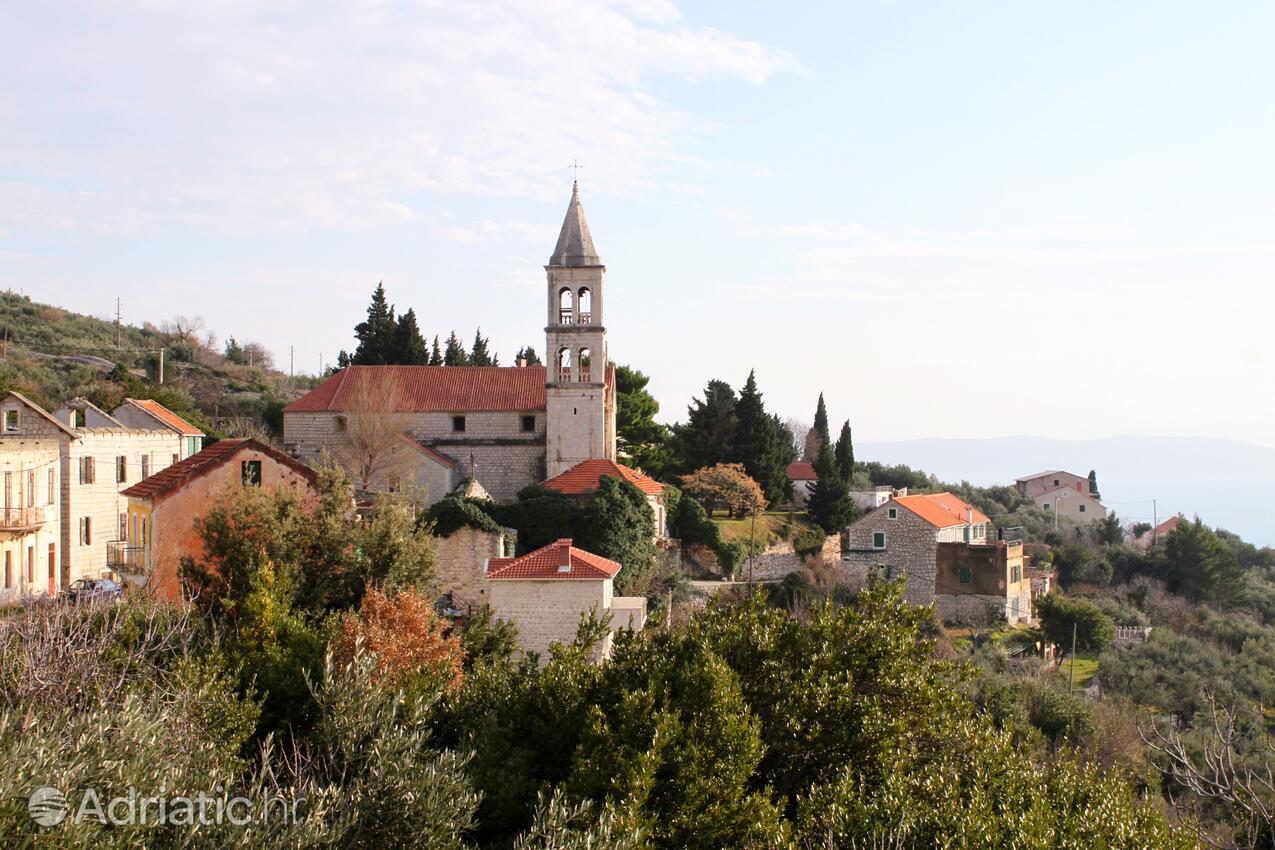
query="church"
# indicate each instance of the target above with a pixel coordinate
(506, 427)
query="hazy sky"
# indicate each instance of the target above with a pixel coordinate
(955, 219)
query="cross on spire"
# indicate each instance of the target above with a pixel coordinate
(576, 166)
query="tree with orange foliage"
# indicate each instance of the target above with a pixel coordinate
(407, 637)
(726, 486)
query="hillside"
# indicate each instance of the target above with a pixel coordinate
(51, 355)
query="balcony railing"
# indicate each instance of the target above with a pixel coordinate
(125, 558)
(585, 318)
(21, 519)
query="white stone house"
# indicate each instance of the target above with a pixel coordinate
(30, 514)
(1062, 493)
(870, 500)
(149, 415)
(803, 477)
(901, 538)
(545, 592)
(506, 427)
(98, 457)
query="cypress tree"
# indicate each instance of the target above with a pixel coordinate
(844, 453)
(455, 354)
(408, 346)
(480, 354)
(829, 505)
(818, 436)
(436, 353)
(759, 443)
(375, 335)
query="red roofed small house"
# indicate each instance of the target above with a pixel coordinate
(583, 479)
(803, 477)
(546, 591)
(940, 544)
(162, 508)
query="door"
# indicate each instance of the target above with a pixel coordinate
(53, 566)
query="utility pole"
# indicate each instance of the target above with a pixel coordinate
(1155, 521)
(291, 359)
(161, 366)
(752, 535)
(117, 321)
(1071, 680)
(4, 343)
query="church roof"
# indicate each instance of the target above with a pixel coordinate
(441, 389)
(575, 245)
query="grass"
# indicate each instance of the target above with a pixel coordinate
(770, 527)
(1086, 668)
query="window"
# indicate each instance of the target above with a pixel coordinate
(30, 565)
(340, 423)
(458, 424)
(1084, 508)
(10, 421)
(528, 424)
(1056, 482)
(121, 469)
(52, 486)
(878, 540)
(123, 526)
(8, 490)
(1016, 573)
(965, 575)
(1047, 506)
(86, 531)
(250, 473)
(146, 466)
(892, 513)
(30, 489)
(8, 569)
(88, 470)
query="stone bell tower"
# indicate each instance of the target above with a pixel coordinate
(580, 397)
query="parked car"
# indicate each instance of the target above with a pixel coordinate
(93, 590)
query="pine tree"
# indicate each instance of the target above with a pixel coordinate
(829, 505)
(436, 353)
(480, 354)
(375, 335)
(844, 453)
(760, 444)
(708, 437)
(408, 346)
(234, 351)
(818, 436)
(455, 355)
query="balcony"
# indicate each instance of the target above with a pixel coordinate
(123, 558)
(16, 521)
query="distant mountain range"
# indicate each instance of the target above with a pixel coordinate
(1229, 484)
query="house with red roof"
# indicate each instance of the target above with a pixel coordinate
(803, 477)
(1063, 494)
(940, 545)
(505, 427)
(163, 508)
(149, 415)
(545, 592)
(583, 480)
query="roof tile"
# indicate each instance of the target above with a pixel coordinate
(436, 388)
(559, 561)
(942, 510)
(586, 477)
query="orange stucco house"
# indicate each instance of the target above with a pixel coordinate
(162, 509)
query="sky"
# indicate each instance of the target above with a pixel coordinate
(971, 219)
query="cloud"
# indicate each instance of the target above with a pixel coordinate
(270, 115)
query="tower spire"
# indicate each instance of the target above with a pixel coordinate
(575, 245)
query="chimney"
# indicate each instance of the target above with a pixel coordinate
(70, 417)
(522, 362)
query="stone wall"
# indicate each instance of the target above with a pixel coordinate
(549, 610)
(910, 544)
(462, 557)
(779, 559)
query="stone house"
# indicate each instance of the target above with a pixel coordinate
(30, 514)
(545, 592)
(1062, 493)
(505, 427)
(583, 480)
(162, 509)
(463, 557)
(803, 477)
(149, 415)
(98, 456)
(902, 536)
(982, 583)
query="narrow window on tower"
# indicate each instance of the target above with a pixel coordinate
(566, 306)
(582, 366)
(584, 311)
(528, 424)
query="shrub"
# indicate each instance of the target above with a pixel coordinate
(1094, 630)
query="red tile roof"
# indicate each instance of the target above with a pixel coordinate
(166, 416)
(430, 452)
(802, 471)
(559, 560)
(176, 476)
(586, 477)
(435, 388)
(941, 510)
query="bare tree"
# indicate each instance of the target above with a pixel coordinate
(376, 422)
(255, 354)
(185, 328)
(1216, 771)
(797, 431)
